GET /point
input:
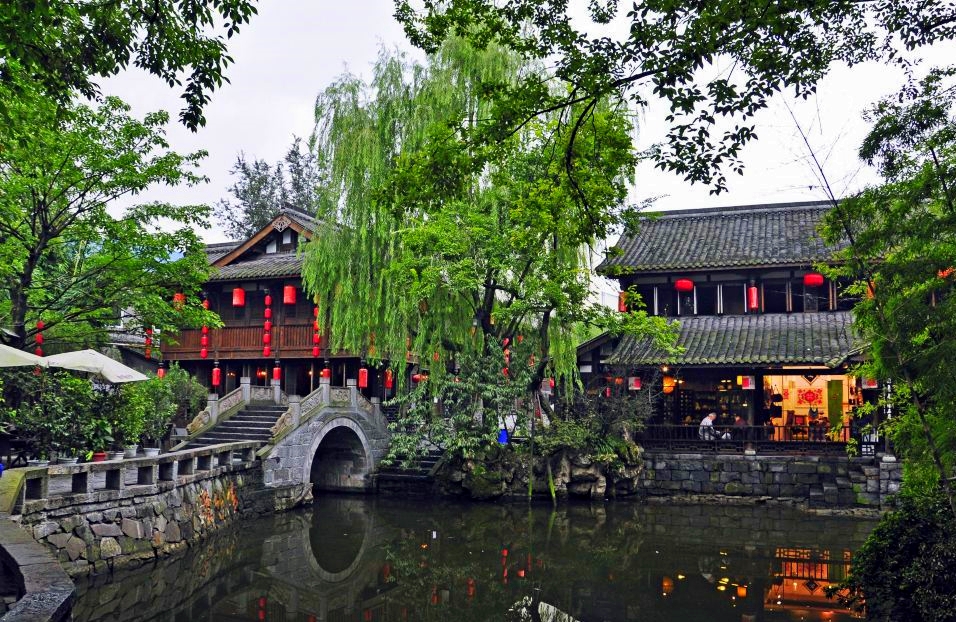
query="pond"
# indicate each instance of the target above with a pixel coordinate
(374, 558)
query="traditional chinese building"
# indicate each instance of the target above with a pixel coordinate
(271, 328)
(764, 335)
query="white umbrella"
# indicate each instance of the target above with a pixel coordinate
(11, 357)
(96, 363)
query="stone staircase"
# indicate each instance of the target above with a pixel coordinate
(416, 479)
(252, 423)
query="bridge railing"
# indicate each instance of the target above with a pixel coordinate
(799, 439)
(101, 481)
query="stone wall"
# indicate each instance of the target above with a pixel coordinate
(93, 531)
(820, 481)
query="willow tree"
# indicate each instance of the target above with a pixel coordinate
(454, 257)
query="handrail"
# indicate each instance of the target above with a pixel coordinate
(763, 438)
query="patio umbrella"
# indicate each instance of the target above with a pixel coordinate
(11, 357)
(96, 363)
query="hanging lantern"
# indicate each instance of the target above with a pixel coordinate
(216, 376)
(812, 279)
(268, 300)
(266, 338)
(148, 352)
(38, 351)
(417, 377)
(267, 313)
(288, 295)
(315, 311)
(618, 380)
(389, 379)
(326, 373)
(267, 325)
(741, 591)
(40, 325)
(505, 342)
(363, 378)
(39, 339)
(161, 371)
(870, 290)
(315, 325)
(946, 273)
(179, 299)
(315, 350)
(684, 285)
(753, 300)
(435, 357)
(148, 341)
(266, 351)
(205, 329)
(607, 391)
(551, 382)
(203, 353)
(669, 383)
(622, 302)
(504, 372)
(204, 340)
(205, 304)
(277, 372)
(634, 383)
(238, 297)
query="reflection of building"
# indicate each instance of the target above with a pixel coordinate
(764, 335)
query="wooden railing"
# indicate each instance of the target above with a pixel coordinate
(233, 342)
(762, 438)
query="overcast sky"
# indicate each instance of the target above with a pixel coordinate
(295, 48)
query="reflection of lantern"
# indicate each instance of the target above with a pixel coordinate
(667, 586)
(741, 591)
(238, 297)
(389, 379)
(622, 302)
(669, 383)
(363, 378)
(812, 279)
(683, 285)
(753, 301)
(288, 295)
(216, 376)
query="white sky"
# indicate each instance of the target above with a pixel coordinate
(295, 48)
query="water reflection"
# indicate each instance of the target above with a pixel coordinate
(365, 559)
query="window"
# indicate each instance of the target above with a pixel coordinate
(685, 303)
(646, 293)
(732, 298)
(666, 301)
(271, 246)
(775, 297)
(706, 299)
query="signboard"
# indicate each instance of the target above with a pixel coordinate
(634, 383)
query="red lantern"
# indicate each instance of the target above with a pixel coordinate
(622, 302)
(416, 377)
(179, 299)
(203, 353)
(266, 338)
(363, 378)
(161, 372)
(684, 285)
(315, 325)
(41, 325)
(315, 311)
(205, 304)
(39, 339)
(551, 382)
(389, 379)
(326, 373)
(505, 342)
(315, 350)
(316, 338)
(267, 325)
(266, 351)
(812, 279)
(204, 340)
(276, 373)
(267, 313)
(205, 330)
(216, 376)
(504, 372)
(148, 352)
(38, 351)
(148, 341)
(288, 295)
(238, 297)
(268, 300)
(753, 302)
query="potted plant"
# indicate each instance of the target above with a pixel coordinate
(159, 411)
(130, 418)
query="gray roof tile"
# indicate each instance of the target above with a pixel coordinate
(274, 265)
(744, 236)
(767, 339)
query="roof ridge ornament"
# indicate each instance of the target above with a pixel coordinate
(281, 223)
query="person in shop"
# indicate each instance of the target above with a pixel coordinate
(706, 431)
(740, 428)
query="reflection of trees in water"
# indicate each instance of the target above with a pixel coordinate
(338, 532)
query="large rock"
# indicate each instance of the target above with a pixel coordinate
(133, 528)
(109, 548)
(101, 530)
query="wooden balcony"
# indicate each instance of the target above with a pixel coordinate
(244, 342)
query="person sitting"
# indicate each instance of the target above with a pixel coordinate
(706, 431)
(740, 428)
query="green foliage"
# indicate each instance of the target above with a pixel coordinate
(188, 395)
(261, 190)
(899, 261)
(678, 51)
(904, 570)
(63, 45)
(66, 258)
(53, 410)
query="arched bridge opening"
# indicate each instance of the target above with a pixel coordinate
(341, 461)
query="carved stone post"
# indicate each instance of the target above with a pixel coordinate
(295, 406)
(245, 384)
(212, 403)
(325, 385)
(377, 406)
(352, 385)
(276, 392)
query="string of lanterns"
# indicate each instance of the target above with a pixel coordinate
(39, 338)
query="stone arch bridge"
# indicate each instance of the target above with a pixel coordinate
(333, 439)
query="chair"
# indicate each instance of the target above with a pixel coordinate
(798, 427)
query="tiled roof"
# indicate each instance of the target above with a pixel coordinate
(767, 339)
(272, 265)
(215, 251)
(744, 236)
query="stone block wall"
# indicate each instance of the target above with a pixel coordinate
(820, 481)
(91, 533)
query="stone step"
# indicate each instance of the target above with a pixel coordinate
(246, 424)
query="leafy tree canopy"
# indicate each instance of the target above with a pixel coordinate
(901, 257)
(714, 63)
(454, 255)
(64, 44)
(66, 259)
(261, 190)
